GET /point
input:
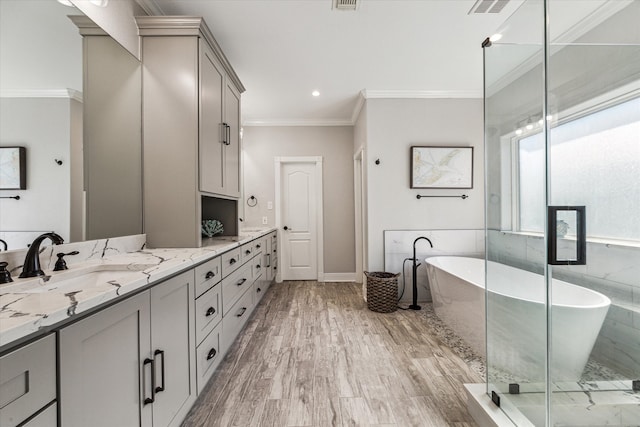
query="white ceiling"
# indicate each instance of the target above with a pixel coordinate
(282, 50)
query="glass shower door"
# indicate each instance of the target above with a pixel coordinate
(515, 297)
(593, 150)
(562, 150)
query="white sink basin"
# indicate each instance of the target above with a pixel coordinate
(78, 279)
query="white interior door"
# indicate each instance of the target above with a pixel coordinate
(299, 208)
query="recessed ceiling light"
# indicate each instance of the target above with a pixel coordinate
(315, 93)
(495, 37)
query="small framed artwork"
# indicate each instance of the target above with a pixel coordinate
(441, 167)
(13, 168)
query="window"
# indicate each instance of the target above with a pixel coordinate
(594, 161)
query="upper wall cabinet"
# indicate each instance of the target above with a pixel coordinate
(219, 128)
(191, 127)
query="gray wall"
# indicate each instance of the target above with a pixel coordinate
(392, 127)
(45, 126)
(335, 145)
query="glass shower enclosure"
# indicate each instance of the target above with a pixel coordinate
(562, 152)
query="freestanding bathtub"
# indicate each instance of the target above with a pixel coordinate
(517, 320)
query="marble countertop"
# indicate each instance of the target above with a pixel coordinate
(104, 271)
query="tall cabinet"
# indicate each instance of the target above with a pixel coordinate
(191, 128)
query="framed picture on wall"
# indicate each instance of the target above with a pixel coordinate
(441, 167)
(13, 168)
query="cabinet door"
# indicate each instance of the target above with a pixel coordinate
(212, 130)
(232, 150)
(101, 367)
(172, 308)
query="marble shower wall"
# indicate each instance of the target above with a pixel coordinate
(613, 270)
(398, 245)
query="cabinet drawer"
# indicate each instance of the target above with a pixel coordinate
(27, 380)
(46, 418)
(259, 287)
(208, 312)
(246, 252)
(207, 275)
(208, 357)
(259, 245)
(234, 285)
(257, 264)
(230, 261)
(235, 318)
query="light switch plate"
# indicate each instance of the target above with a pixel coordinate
(269, 205)
(265, 220)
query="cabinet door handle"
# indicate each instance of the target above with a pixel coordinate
(241, 312)
(151, 399)
(258, 290)
(268, 260)
(241, 282)
(210, 311)
(228, 134)
(209, 275)
(232, 261)
(258, 266)
(223, 133)
(211, 354)
(156, 354)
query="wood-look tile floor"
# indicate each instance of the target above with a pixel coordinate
(313, 355)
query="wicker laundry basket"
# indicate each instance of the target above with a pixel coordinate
(382, 291)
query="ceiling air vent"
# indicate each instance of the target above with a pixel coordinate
(488, 6)
(345, 4)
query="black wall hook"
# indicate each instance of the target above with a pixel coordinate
(59, 162)
(377, 161)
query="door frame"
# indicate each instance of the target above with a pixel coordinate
(359, 203)
(317, 161)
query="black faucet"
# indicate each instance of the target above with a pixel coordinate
(415, 305)
(31, 266)
(4, 244)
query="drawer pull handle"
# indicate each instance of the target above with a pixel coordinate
(258, 290)
(241, 312)
(247, 252)
(212, 354)
(232, 261)
(241, 282)
(258, 246)
(258, 266)
(151, 399)
(210, 311)
(156, 354)
(209, 275)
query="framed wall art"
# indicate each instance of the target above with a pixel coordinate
(441, 167)
(13, 168)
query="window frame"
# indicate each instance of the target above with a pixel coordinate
(510, 149)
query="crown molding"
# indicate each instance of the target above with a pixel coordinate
(186, 26)
(150, 7)
(293, 123)
(42, 93)
(420, 94)
(86, 26)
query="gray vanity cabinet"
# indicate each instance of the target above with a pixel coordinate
(28, 383)
(191, 127)
(131, 364)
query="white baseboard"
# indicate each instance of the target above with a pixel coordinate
(338, 277)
